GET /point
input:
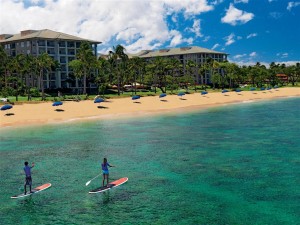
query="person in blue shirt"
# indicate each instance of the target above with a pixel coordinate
(28, 179)
(105, 171)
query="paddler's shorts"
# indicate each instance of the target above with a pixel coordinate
(105, 172)
(28, 181)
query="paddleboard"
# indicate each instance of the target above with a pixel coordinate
(111, 185)
(33, 191)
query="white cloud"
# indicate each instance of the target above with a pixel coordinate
(282, 55)
(177, 39)
(229, 39)
(206, 39)
(253, 54)
(276, 15)
(235, 16)
(252, 35)
(239, 56)
(134, 23)
(285, 55)
(248, 62)
(196, 28)
(215, 46)
(217, 2)
(292, 5)
(288, 63)
(241, 1)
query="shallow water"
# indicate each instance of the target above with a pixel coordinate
(238, 164)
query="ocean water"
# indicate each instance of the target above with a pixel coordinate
(238, 164)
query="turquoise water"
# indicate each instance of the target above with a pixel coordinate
(238, 164)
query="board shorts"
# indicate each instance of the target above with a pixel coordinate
(28, 180)
(105, 172)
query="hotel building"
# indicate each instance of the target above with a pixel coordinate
(184, 54)
(61, 47)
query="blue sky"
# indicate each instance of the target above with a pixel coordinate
(248, 30)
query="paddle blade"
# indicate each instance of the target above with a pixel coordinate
(87, 183)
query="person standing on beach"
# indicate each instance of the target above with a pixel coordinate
(28, 179)
(105, 171)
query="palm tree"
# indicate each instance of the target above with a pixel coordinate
(203, 67)
(160, 70)
(44, 64)
(174, 66)
(211, 65)
(135, 67)
(293, 73)
(118, 60)
(102, 78)
(190, 70)
(6, 62)
(87, 62)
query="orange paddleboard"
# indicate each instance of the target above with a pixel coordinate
(111, 185)
(33, 191)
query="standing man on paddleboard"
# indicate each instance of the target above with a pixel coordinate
(105, 171)
(28, 179)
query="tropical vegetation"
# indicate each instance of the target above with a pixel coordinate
(25, 75)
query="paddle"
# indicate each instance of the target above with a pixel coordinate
(87, 183)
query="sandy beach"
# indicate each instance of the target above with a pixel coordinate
(45, 113)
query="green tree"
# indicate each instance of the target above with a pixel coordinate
(174, 67)
(191, 72)
(87, 62)
(118, 60)
(45, 64)
(136, 67)
(293, 73)
(102, 78)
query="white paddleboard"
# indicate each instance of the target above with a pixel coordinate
(33, 191)
(111, 185)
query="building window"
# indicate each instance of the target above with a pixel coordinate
(62, 44)
(71, 44)
(22, 44)
(41, 43)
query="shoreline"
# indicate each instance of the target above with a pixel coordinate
(44, 113)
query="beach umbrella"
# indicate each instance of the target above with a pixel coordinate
(224, 91)
(252, 89)
(57, 103)
(6, 107)
(262, 89)
(135, 97)
(162, 95)
(238, 90)
(269, 88)
(180, 94)
(98, 100)
(204, 92)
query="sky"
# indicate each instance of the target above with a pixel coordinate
(249, 31)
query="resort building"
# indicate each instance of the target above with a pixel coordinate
(184, 54)
(60, 46)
